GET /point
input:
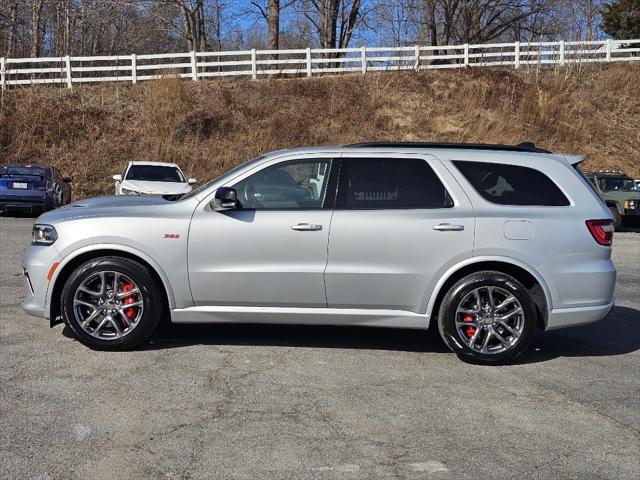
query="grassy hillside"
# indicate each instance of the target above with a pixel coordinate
(209, 126)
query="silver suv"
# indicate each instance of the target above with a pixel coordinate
(488, 242)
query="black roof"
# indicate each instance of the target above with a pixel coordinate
(521, 147)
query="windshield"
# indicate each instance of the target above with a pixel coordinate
(154, 173)
(230, 173)
(619, 184)
(29, 171)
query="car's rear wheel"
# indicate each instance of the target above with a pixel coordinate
(112, 303)
(487, 318)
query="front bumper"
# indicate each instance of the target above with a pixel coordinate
(571, 317)
(36, 264)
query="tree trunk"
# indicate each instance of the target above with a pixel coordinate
(273, 23)
(202, 30)
(13, 29)
(433, 24)
(346, 28)
(328, 23)
(187, 23)
(36, 19)
(67, 28)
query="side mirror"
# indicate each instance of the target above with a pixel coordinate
(226, 198)
(68, 179)
(192, 181)
(117, 178)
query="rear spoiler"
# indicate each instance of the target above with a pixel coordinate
(573, 159)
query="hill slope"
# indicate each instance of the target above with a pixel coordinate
(207, 127)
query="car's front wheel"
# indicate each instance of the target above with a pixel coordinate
(487, 318)
(112, 303)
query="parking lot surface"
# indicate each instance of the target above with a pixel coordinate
(246, 401)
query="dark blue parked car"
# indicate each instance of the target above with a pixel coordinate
(33, 187)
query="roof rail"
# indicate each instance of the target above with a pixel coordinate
(521, 147)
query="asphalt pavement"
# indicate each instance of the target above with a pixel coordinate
(246, 401)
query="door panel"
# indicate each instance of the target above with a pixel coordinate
(272, 252)
(254, 257)
(392, 258)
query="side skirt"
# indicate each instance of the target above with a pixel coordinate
(305, 316)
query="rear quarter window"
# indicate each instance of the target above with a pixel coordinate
(512, 184)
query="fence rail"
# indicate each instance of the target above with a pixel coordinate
(307, 61)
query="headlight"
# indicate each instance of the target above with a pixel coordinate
(43, 235)
(630, 204)
(126, 191)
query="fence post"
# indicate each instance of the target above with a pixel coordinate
(134, 68)
(194, 66)
(308, 62)
(417, 53)
(466, 54)
(363, 59)
(562, 53)
(254, 65)
(3, 79)
(516, 59)
(67, 61)
(608, 50)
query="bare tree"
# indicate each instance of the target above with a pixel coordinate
(333, 20)
(585, 16)
(270, 10)
(88, 27)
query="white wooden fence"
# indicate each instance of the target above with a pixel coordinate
(310, 61)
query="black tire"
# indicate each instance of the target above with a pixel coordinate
(617, 218)
(152, 297)
(449, 305)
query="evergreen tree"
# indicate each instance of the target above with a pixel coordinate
(621, 19)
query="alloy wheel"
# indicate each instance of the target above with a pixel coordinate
(108, 305)
(489, 320)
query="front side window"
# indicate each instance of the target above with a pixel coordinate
(299, 184)
(390, 183)
(512, 184)
(154, 173)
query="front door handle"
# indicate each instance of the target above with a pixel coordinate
(447, 227)
(306, 227)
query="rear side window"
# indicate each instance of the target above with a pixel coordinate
(512, 185)
(388, 183)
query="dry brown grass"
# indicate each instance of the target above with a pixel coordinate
(207, 127)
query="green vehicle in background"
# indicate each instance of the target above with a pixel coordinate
(620, 192)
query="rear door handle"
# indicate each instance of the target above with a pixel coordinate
(306, 227)
(447, 227)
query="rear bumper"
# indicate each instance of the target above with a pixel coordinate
(22, 200)
(571, 317)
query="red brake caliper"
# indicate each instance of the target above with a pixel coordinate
(132, 311)
(469, 331)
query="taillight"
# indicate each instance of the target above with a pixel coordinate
(602, 231)
(51, 186)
